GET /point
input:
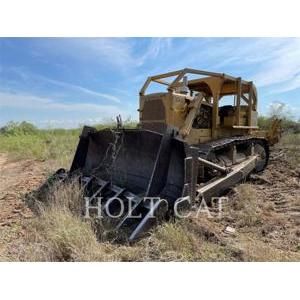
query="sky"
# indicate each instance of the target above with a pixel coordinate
(66, 82)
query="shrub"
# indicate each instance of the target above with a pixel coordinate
(287, 124)
(15, 128)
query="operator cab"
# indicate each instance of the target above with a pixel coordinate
(199, 107)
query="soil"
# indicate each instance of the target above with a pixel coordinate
(16, 179)
(277, 189)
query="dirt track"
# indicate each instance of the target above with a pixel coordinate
(282, 186)
(16, 179)
(279, 187)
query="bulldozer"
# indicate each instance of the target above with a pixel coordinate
(189, 145)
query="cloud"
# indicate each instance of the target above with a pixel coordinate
(282, 67)
(267, 61)
(46, 112)
(70, 123)
(120, 53)
(116, 52)
(81, 89)
(156, 47)
(32, 102)
(29, 76)
(123, 53)
(289, 85)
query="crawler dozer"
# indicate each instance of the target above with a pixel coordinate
(190, 144)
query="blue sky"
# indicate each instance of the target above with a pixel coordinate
(63, 82)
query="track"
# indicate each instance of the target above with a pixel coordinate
(205, 150)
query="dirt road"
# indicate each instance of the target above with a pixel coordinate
(16, 179)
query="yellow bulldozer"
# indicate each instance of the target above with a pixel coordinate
(190, 144)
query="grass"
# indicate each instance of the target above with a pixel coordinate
(58, 145)
(255, 250)
(290, 139)
(63, 236)
(59, 233)
(173, 242)
(24, 141)
(246, 207)
(291, 143)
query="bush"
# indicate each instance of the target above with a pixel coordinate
(15, 128)
(264, 122)
(287, 124)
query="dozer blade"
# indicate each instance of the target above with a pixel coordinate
(140, 175)
(143, 169)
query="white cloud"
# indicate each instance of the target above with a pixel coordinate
(282, 67)
(157, 46)
(32, 102)
(267, 61)
(46, 112)
(289, 85)
(121, 52)
(28, 76)
(81, 89)
(115, 52)
(70, 123)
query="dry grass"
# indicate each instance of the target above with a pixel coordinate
(59, 233)
(290, 139)
(291, 144)
(62, 237)
(67, 196)
(245, 207)
(260, 251)
(171, 242)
